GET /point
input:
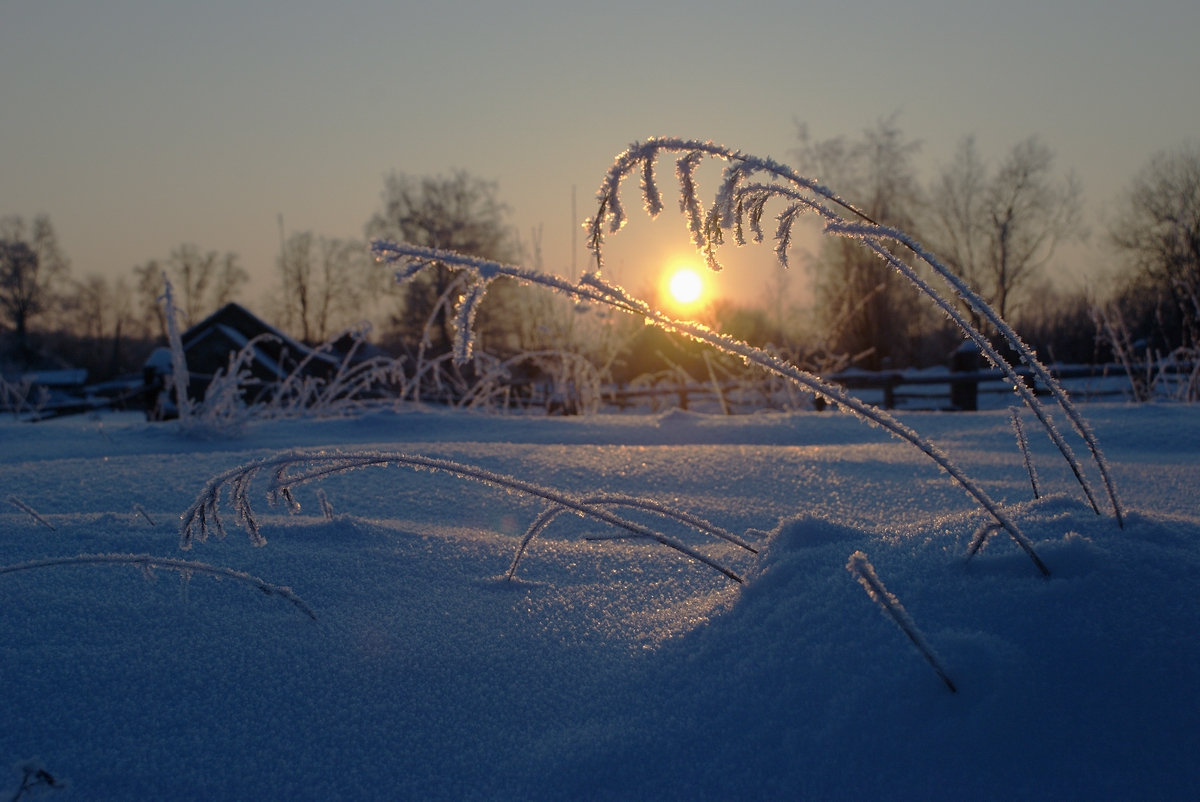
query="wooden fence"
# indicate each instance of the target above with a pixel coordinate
(961, 393)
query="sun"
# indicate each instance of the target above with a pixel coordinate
(686, 286)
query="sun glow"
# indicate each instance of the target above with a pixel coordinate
(686, 286)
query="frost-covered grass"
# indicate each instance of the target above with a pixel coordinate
(608, 668)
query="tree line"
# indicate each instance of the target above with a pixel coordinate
(997, 226)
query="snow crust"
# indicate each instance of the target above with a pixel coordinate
(610, 669)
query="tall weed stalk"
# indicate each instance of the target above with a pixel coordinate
(862, 570)
(148, 564)
(1023, 445)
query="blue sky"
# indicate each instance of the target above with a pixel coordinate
(140, 125)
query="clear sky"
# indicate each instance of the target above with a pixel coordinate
(138, 125)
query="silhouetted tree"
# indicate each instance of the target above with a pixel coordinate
(1157, 233)
(325, 283)
(459, 213)
(203, 281)
(32, 269)
(999, 230)
(865, 307)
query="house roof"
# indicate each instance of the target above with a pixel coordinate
(208, 343)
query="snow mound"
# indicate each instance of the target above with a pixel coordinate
(804, 687)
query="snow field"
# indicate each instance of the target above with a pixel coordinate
(611, 669)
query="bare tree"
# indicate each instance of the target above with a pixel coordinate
(325, 282)
(1158, 234)
(96, 327)
(295, 273)
(32, 269)
(956, 211)
(203, 282)
(458, 212)
(92, 309)
(865, 307)
(149, 287)
(998, 231)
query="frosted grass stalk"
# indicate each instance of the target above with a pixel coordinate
(864, 572)
(180, 376)
(1027, 356)
(36, 781)
(736, 199)
(712, 377)
(554, 510)
(1023, 444)
(30, 511)
(138, 509)
(326, 507)
(979, 539)
(148, 563)
(203, 516)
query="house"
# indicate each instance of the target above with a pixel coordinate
(209, 345)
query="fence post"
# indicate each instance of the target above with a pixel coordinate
(890, 380)
(964, 394)
(889, 391)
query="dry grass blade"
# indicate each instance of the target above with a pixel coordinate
(636, 530)
(30, 511)
(1023, 444)
(864, 572)
(185, 567)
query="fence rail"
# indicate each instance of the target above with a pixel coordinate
(962, 393)
(33, 401)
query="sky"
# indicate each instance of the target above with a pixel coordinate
(141, 125)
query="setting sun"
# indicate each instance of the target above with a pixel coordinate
(686, 286)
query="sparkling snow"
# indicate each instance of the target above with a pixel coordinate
(610, 669)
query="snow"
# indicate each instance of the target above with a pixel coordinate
(609, 669)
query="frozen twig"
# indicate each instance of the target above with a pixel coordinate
(148, 563)
(635, 530)
(1023, 444)
(25, 508)
(138, 509)
(864, 572)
